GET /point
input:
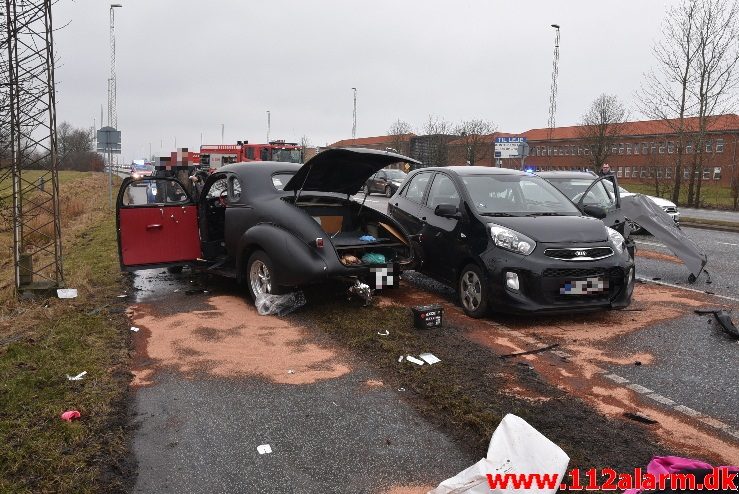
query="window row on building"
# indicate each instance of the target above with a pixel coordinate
(626, 148)
(639, 171)
(665, 172)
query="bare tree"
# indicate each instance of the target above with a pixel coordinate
(601, 127)
(665, 94)
(438, 134)
(715, 74)
(399, 131)
(305, 145)
(475, 136)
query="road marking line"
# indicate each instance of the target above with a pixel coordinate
(727, 243)
(639, 388)
(715, 423)
(654, 244)
(661, 399)
(616, 378)
(687, 411)
(647, 280)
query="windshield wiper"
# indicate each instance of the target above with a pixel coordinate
(500, 214)
(546, 213)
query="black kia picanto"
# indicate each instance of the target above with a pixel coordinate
(511, 242)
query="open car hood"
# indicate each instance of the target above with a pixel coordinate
(343, 170)
(642, 210)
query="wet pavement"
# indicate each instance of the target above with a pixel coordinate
(213, 381)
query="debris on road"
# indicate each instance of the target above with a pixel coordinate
(411, 358)
(643, 211)
(123, 295)
(66, 293)
(530, 352)
(280, 305)
(723, 318)
(640, 417)
(361, 290)
(430, 358)
(264, 449)
(384, 333)
(290, 371)
(78, 377)
(400, 359)
(515, 448)
(135, 329)
(71, 415)
(427, 316)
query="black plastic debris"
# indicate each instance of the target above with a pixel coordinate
(640, 417)
(530, 352)
(723, 318)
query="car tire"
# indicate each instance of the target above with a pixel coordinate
(388, 191)
(260, 275)
(473, 290)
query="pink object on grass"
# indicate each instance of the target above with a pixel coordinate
(70, 415)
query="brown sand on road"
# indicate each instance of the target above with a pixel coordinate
(586, 338)
(657, 256)
(228, 340)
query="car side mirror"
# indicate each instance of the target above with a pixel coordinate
(447, 211)
(595, 211)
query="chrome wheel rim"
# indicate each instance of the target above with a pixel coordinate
(259, 278)
(470, 289)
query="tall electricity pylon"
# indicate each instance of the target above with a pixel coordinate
(29, 189)
(354, 115)
(553, 95)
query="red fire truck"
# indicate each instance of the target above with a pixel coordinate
(214, 156)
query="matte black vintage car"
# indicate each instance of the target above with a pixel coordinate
(385, 182)
(272, 225)
(512, 242)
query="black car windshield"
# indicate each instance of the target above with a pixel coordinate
(574, 188)
(395, 174)
(523, 195)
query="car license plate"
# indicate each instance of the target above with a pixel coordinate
(588, 286)
(385, 277)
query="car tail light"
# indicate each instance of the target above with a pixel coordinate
(319, 243)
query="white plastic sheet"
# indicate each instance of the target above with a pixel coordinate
(280, 305)
(515, 448)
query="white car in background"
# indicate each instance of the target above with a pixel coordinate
(668, 207)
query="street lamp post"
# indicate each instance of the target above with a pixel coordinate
(354, 115)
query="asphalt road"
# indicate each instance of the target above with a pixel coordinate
(200, 433)
(710, 214)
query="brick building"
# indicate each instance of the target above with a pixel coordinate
(643, 152)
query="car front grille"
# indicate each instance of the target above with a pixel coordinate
(579, 253)
(554, 278)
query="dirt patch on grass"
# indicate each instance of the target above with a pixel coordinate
(229, 340)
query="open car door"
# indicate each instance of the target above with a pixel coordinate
(157, 224)
(603, 193)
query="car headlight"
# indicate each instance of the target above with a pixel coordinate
(136, 175)
(511, 240)
(617, 240)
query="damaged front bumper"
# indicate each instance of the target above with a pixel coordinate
(537, 284)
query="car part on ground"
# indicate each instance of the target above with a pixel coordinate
(646, 213)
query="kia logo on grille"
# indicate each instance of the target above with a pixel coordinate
(581, 253)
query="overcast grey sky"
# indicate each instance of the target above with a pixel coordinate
(185, 67)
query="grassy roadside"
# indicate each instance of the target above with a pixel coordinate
(43, 341)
